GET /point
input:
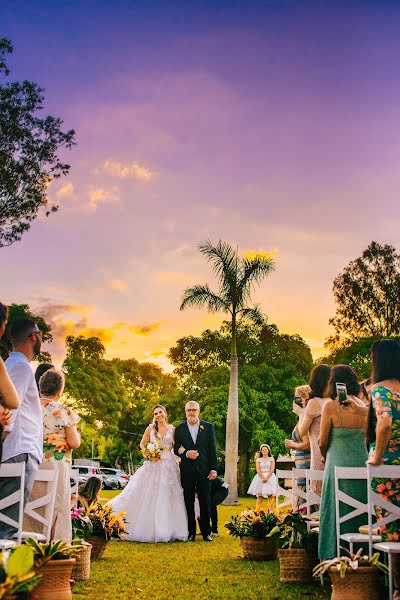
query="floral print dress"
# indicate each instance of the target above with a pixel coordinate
(56, 417)
(387, 404)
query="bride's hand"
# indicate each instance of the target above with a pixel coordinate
(181, 450)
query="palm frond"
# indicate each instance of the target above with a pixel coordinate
(200, 296)
(254, 270)
(224, 260)
(255, 314)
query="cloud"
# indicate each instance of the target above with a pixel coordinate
(66, 191)
(99, 194)
(118, 285)
(133, 170)
(250, 254)
(144, 329)
(172, 277)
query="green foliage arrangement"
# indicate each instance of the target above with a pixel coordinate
(293, 533)
(17, 573)
(352, 562)
(254, 523)
(82, 527)
(47, 551)
(105, 523)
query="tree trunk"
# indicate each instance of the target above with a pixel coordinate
(232, 435)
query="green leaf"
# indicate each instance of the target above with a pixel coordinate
(20, 562)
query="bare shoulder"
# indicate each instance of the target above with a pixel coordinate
(328, 406)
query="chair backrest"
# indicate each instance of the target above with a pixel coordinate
(391, 512)
(359, 508)
(50, 476)
(287, 494)
(74, 488)
(313, 499)
(15, 471)
(299, 492)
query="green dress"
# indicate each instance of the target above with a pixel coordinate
(347, 448)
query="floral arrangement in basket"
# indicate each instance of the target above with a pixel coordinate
(152, 451)
(17, 574)
(43, 552)
(254, 523)
(105, 523)
(82, 527)
(293, 532)
(352, 561)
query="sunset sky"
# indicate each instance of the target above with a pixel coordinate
(273, 125)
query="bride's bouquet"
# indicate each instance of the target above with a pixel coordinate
(152, 452)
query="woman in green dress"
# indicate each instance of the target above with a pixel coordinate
(342, 444)
(384, 435)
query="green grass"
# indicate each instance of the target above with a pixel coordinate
(188, 570)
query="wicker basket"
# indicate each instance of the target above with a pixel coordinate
(258, 548)
(99, 544)
(81, 570)
(365, 582)
(296, 565)
(55, 582)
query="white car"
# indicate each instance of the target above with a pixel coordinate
(118, 474)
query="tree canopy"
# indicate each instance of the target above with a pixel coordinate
(367, 296)
(29, 153)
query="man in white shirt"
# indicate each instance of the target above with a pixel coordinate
(24, 433)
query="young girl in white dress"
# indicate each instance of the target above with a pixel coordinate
(264, 482)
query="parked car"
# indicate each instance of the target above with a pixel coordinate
(120, 475)
(110, 482)
(86, 471)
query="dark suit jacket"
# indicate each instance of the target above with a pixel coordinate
(205, 445)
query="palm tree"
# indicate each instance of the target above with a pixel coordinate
(237, 277)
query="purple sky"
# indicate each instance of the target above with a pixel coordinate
(271, 125)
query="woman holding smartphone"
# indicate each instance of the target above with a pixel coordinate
(342, 444)
(301, 446)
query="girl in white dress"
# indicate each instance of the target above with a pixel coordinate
(153, 499)
(264, 482)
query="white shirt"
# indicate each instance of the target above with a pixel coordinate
(25, 430)
(194, 430)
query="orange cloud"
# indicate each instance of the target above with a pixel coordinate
(133, 170)
(98, 195)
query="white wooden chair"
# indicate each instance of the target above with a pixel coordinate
(74, 488)
(14, 470)
(299, 492)
(50, 477)
(313, 499)
(359, 508)
(375, 500)
(281, 491)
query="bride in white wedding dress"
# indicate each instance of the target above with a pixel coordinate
(153, 499)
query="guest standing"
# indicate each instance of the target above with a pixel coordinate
(301, 447)
(23, 437)
(385, 437)
(8, 393)
(60, 436)
(311, 421)
(342, 444)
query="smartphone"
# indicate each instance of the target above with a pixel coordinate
(341, 392)
(298, 400)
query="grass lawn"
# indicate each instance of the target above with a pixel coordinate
(191, 570)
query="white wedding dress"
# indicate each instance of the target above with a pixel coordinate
(153, 499)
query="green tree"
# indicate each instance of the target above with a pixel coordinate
(367, 296)
(18, 311)
(272, 365)
(29, 153)
(236, 277)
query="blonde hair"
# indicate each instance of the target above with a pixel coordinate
(303, 391)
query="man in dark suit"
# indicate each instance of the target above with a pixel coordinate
(195, 445)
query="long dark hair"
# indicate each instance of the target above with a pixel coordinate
(155, 423)
(90, 489)
(319, 380)
(343, 374)
(385, 357)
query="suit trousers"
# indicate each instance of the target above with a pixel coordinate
(200, 484)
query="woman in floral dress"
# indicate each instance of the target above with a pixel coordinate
(60, 436)
(385, 437)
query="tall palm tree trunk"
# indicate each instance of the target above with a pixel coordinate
(232, 427)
